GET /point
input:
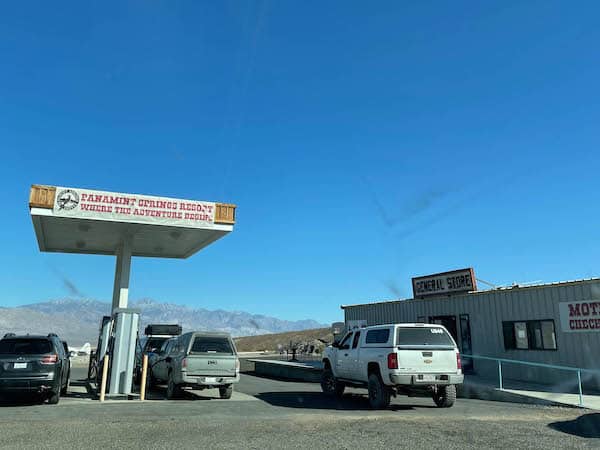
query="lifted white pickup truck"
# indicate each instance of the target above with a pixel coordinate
(408, 358)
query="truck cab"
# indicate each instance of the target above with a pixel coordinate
(412, 358)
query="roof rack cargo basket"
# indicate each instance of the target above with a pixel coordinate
(164, 329)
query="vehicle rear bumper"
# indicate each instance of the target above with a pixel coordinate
(413, 379)
(28, 384)
(208, 381)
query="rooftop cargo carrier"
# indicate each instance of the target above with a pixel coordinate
(162, 329)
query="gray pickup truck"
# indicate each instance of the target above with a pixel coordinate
(197, 360)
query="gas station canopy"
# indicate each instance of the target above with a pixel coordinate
(74, 220)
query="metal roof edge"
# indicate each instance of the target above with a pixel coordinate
(483, 292)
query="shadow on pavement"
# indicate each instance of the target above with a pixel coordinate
(587, 426)
(21, 399)
(316, 400)
(160, 393)
(276, 378)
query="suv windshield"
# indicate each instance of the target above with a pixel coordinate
(25, 346)
(205, 344)
(424, 336)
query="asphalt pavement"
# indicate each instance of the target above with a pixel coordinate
(265, 413)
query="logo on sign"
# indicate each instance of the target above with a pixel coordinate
(67, 199)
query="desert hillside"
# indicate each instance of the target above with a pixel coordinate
(271, 342)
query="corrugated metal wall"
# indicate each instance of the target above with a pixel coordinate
(488, 309)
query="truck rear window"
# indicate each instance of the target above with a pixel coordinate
(25, 346)
(424, 336)
(205, 344)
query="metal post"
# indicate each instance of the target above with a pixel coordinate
(103, 381)
(143, 380)
(500, 374)
(580, 389)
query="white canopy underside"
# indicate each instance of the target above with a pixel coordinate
(89, 236)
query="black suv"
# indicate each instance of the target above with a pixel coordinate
(36, 364)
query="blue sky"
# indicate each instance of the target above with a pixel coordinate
(364, 143)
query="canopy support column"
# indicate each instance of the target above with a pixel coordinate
(122, 269)
(125, 322)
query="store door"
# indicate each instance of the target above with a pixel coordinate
(449, 322)
(465, 343)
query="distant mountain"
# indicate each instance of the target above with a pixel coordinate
(77, 321)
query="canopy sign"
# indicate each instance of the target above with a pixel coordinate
(444, 283)
(111, 206)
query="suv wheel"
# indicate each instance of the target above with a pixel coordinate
(330, 385)
(379, 394)
(54, 398)
(173, 390)
(226, 391)
(445, 396)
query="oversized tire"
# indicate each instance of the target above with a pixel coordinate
(379, 394)
(226, 391)
(65, 388)
(173, 390)
(54, 398)
(445, 396)
(330, 385)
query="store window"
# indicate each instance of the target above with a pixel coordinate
(529, 335)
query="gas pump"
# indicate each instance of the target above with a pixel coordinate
(118, 337)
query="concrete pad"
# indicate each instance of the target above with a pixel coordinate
(589, 401)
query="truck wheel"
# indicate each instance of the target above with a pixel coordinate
(173, 390)
(226, 391)
(445, 396)
(330, 385)
(54, 398)
(379, 394)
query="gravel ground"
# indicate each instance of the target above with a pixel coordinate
(275, 414)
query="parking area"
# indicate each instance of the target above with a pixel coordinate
(266, 413)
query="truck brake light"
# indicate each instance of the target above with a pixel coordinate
(237, 365)
(184, 363)
(458, 361)
(392, 361)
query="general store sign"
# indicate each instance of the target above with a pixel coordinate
(579, 317)
(112, 206)
(444, 283)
